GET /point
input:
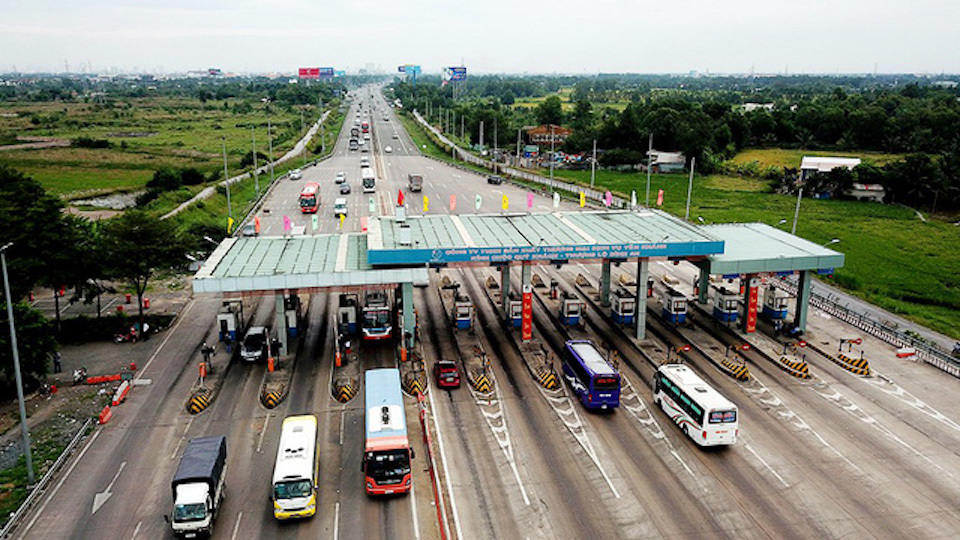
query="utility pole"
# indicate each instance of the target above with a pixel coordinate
(303, 141)
(593, 165)
(649, 167)
(551, 154)
(461, 127)
(25, 431)
(256, 175)
(693, 165)
(481, 134)
(518, 147)
(796, 213)
(494, 139)
(270, 138)
(226, 177)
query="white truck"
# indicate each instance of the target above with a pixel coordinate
(199, 486)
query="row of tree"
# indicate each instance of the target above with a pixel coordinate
(712, 125)
(64, 252)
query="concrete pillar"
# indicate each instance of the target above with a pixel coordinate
(505, 289)
(409, 317)
(280, 323)
(643, 273)
(605, 283)
(704, 279)
(803, 300)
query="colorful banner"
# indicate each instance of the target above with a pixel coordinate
(426, 204)
(505, 202)
(478, 202)
(229, 225)
(556, 199)
(287, 224)
(372, 205)
(752, 294)
(608, 199)
(256, 224)
(315, 221)
(309, 73)
(633, 198)
(399, 197)
(583, 199)
(660, 198)
(529, 200)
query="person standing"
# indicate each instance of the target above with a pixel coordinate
(57, 366)
(146, 330)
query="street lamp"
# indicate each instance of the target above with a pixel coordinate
(834, 241)
(16, 366)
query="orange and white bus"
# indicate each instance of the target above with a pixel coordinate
(310, 198)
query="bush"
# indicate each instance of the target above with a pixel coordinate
(88, 142)
(83, 329)
(620, 156)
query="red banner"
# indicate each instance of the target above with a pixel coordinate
(753, 292)
(526, 321)
(310, 73)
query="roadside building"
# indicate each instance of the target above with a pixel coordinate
(542, 135)
(866, 192)
(811, 165)
(667, 162)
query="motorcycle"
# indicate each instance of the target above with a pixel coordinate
(79, 376)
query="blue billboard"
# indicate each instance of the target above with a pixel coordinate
(326, 73)
(456, 73)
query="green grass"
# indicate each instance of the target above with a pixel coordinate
(893, 259)
(782, 157)
(145, 134)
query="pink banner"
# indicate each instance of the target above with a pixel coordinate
(529, 200)
(608, 199)
(453, 203)
(287, 224)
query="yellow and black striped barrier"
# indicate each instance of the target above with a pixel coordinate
(548, 379)
(797, 368)
(481, 383)
(200, 401)
(736, 370)
(858, 366)
(345, 393)
(272, 399)
(415, 386)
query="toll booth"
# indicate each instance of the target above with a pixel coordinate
(347, 314)
(650, 288)
(463, 312)
(291, 310)
(516, 311)
(674, 306)
(230, 321)
(725, 305)
(775, 303)
(623, 307)
(571, 309)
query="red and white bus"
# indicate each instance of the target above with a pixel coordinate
(310, 198)
(387, 452)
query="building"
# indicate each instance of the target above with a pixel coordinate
(541, 135)
(750, 107)
(811, 165)
(667, 162)
(866, 192)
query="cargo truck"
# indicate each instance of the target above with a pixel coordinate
(199, 486)
(415, 182)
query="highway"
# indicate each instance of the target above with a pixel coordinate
(836, 456)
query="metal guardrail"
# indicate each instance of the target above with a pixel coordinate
(42, 484)
(931, 354)
(461, 154)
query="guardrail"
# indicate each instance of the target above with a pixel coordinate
(931, 354)
(42, 484)
(559, 185)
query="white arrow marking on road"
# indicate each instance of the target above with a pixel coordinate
(101, 498)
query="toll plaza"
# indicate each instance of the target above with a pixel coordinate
(754, 252)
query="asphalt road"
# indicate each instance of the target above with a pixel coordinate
(834, 456)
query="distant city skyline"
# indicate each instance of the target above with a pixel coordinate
(498, 36)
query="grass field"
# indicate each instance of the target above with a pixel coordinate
(893, 259)
(782, 157)
(145, 134)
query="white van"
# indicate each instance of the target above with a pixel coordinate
(340, 207)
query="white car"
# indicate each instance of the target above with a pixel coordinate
(341, 177)
(296, 174)
(388, 149)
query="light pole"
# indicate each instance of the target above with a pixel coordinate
(303, 148)
(256, 175)
(593, 165)
(270, 138)
(649, 167)
(552, 157)
(226, 178)
(830, 243)
(796, 213)
(16, 367)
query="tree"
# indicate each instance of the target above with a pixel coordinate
(550, 111)
(137, 245)
(65, 266)
(35, 345)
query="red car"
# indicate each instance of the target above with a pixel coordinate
(446, 374)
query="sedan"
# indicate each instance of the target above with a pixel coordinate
(296, 174)
(344, 189)
(388, 149)
(446, 374)
(496, 180)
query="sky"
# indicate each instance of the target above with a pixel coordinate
(490, 36)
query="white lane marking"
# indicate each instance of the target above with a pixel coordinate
(558, 398)
(765, 464)
(446, 469)
(59, 484)
(136, 531)
(101, 498)
(183, 315)
(182, 438)
(413, 512)
(336, 521)
(645, 418)
(500, 432)
(236, 527)
(343, 412)
(903, 395)
(266, 420)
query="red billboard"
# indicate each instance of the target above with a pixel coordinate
(310, 73)
(526, 320)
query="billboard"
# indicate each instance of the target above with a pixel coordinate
(339, 73)
(455, 73)
(325, 72)
(309, 73)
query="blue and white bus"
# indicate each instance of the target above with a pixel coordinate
(701, 412)
(386, 451)
(592, 378)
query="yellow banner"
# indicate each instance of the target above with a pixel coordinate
(505, 203)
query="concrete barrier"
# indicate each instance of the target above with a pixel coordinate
(105, 415)
(548, 379)
(200, 400)
(481, 383)
(121, 394)
(736, 370)
(797, 368)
